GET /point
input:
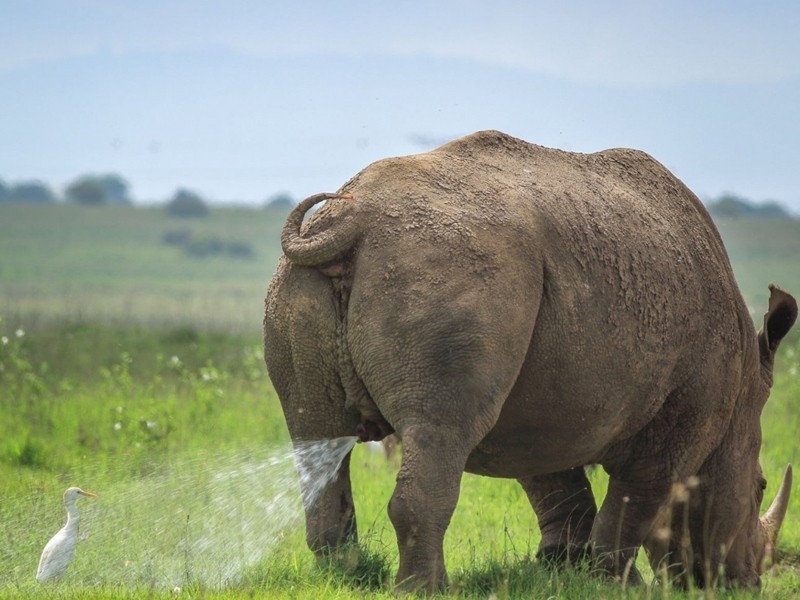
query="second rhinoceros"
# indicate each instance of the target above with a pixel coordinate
(518, 311)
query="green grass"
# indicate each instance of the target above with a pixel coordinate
(214, 414)
(77, 263)
(138, 375)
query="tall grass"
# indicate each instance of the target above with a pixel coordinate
(154, 421)
(135, 371)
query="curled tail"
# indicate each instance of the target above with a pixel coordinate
(324, 246)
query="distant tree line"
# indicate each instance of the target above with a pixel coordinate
(34, 192)
(94, 190)
(110, 189)
(88, 190)
(731, 206)
(187, 204)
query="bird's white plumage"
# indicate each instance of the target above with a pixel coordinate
(59, 551)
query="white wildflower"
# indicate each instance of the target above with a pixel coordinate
(4, 340)
(117, 426)
(20, 333)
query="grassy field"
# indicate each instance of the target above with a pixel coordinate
(75, 263)
(135, 371)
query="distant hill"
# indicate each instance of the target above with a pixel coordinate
(730, 206)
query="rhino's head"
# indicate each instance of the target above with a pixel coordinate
(728, 540)
(754, 546)
(765, 532)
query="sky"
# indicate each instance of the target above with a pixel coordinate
(241, 100)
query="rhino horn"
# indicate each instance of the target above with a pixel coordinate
(773, 518)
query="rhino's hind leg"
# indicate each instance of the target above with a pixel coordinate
(565, 507)
(422, 505)
(331, 516)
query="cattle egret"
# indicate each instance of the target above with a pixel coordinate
(58, 552)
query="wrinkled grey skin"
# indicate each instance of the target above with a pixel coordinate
(517, 311)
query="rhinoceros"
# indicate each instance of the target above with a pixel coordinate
(518, 311)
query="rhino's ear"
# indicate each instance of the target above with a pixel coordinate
(778, 321)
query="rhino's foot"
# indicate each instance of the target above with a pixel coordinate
(622, 569)
(559, 555)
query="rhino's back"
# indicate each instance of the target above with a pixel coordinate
(615, 225)
(638, 302)
(627, 280)
(614, 230)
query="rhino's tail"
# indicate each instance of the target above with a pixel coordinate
(324, 246)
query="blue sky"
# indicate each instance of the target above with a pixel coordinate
(240, 100)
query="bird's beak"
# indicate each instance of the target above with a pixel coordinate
(90, 494)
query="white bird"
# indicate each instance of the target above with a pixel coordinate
(58, 552)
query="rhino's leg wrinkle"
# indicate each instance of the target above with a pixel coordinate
(565, 507)
(373, 426)
(423, 502)
(623, 523)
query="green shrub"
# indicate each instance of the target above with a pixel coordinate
(186, 204)
(26, 452)
(239, 250)
(206, 246)
(177, 237)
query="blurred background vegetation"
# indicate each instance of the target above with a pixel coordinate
(131, 361)
(93, 253)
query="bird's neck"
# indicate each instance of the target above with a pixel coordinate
(72, 518)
